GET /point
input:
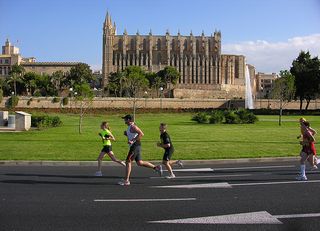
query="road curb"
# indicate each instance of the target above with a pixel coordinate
(110, 163)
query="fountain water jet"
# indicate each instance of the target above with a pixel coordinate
(249, 97)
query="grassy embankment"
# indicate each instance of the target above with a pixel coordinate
(191, 140)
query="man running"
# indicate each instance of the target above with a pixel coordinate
(134, 135)
(166, 144)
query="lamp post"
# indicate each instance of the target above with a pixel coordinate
(71, 94)
(161, 92)
(145, 99)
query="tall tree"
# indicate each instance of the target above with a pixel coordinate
(57, 79)
(79, 74)
(30, 81)
(307, 77)
(83, 96)
(155, 81)
(15, 74)
(136, 82)
(284, 90)
(169, 76)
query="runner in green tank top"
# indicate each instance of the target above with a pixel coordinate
(106, 137)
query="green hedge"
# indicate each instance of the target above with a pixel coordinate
(45, 121)
(241, 116)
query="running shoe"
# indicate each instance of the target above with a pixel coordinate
(171, 176)
(180, 164)
(318, 161)
(124, 182)
(159, 170)
(123, 163)
(301, 178)
(99, 173)
(314, 167)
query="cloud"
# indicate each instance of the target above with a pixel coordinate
(269, 57)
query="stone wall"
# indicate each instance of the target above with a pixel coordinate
(165, 103)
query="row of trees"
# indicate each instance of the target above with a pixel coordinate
(302, 82)
(20, 82)
(134, 80)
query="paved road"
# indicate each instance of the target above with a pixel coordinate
(256, 196)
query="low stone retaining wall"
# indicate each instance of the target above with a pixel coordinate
(154, 103)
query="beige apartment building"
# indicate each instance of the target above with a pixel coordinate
(11, 56)
(264, 84)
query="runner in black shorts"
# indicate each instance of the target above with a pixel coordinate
(106, 137)
(166, 144)
(134, 135)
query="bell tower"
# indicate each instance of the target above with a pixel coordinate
(109, 32)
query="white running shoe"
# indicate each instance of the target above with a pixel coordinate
(159, 170)
(124, 182)
(99, 173)
(123, 163)
(313, 168)
(318, 161)
(171, 176)
(301, 178)
(180, 164)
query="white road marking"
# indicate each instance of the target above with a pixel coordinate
(276, 182)
(207, 176)
(260, 167)
(192, 170)
(261, 217)
(145, 200)
(297, 215)
(210, 185)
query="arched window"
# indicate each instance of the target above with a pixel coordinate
(197, 46)
(159, 58)
(144, 44)
(120, 44)
(159, 45)
(173, 45)
(185, 45)
(132, 44)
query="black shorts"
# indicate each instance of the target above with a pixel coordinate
(106, 149)
(134, 152)
(168, 154)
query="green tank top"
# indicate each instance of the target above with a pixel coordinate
(105, 133)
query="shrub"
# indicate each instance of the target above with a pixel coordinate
(55, 100)
(37, 93)
(231, 117)
(1, 95)
(216, 117)
(246, 117)
(45, 121)
(13, 101)
(201, 117)
(65, 101)
(29, 101)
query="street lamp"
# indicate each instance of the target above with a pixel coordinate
(145, 99)
(161, 92)
(71, 94)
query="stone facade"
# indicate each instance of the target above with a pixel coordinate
(11, 56)
(197, 58)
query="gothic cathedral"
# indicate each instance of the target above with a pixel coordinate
(204, 71)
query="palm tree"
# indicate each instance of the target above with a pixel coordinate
(15, 76)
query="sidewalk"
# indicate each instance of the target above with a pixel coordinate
(111, 163)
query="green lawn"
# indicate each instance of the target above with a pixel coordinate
(191, 140)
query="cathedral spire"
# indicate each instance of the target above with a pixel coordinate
(107, 21)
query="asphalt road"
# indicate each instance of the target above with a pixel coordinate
(256, 196)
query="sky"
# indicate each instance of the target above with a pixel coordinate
(270, 33)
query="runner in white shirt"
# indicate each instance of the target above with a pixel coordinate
(134, 135)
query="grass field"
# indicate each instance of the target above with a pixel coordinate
(190, 139)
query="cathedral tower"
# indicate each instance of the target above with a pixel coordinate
(109, 32)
